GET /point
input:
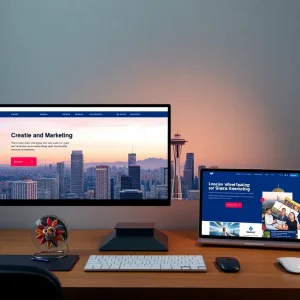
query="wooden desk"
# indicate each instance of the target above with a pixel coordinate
(258, 269)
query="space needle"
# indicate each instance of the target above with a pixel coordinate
(177, 142)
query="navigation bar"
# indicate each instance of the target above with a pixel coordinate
(268, 174)
(85, 108)
(84, 114)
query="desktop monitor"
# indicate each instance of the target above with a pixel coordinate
(82, 155)
(250, 208)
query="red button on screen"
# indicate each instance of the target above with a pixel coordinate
(23, 162)
(233, 204)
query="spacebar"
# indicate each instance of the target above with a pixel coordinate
(140, 267)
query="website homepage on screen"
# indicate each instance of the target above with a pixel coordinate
(251, 204)
(108, 153)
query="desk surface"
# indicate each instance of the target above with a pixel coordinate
(258, 269)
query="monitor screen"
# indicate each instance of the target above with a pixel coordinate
(85, 155)
(250, 204)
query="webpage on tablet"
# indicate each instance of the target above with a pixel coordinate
(251, 204)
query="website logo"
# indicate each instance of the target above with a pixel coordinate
(250, 230)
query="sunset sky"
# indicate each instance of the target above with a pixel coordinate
(100, 139)
(230, 69)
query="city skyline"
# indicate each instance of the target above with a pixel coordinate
(125, 181)
(102, 139)
(99, 181)
(88, 164)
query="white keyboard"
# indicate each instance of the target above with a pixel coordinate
(142, 263)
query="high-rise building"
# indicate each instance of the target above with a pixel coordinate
(102, 183)
(161, 191)
(199, 174)
(77, 173)
(48, 188)
(91, 172)
(134, 172)
(61, 178)
(3, 196)
(188, 174)
(24, 189)
(189, 161)
(126, 182)
(166, 176)
(196, 183)
(131, 194)
(112, 188)
(117, 190)
(131, 159)
(118, 179)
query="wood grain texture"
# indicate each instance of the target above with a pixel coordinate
(258, 268)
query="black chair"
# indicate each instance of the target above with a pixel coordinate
(29, 282)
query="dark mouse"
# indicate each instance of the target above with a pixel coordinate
(228, 264)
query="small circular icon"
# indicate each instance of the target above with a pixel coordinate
(262, 200)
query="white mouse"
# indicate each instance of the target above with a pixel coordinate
(290, 264)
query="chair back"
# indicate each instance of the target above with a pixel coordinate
(29, 282)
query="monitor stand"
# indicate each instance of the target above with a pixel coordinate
(135, 237)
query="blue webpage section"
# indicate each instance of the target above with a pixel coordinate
(251, 204)
(238, 197)
(86, 114)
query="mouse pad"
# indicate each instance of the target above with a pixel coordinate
(55, 264)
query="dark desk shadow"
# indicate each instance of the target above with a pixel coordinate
(280, 268)
(218, 267)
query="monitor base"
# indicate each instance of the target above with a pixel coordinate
(135, 237)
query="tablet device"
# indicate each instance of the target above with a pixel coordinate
(242, 207)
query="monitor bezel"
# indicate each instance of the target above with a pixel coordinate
(95, 202)
(236, 239)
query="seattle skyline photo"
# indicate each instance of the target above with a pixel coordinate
(84, 158)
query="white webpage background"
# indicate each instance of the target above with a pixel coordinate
(244, 229)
